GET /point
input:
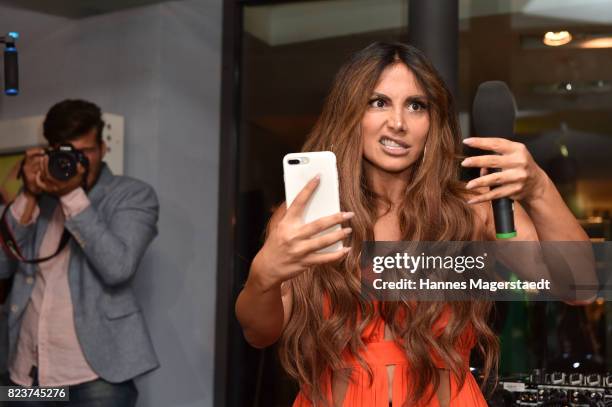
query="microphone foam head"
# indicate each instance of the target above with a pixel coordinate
(494, 110)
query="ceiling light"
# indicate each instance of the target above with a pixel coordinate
(574, 87)
(554, 39)
(600, 42)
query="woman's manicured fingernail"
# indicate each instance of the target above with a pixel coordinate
(465, 162)
(348, 215)
(471, 201)
(469, 185)
(468, 140)
(347, 231)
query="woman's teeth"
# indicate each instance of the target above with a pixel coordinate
(390, 143)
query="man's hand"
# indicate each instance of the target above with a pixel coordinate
(47, 183)
(31, 167)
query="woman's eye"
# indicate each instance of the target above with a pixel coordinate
(416, 106)
(379, 103)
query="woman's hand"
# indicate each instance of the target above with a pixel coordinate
(291, 246)
(520, 178)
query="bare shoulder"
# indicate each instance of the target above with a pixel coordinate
(482, 210)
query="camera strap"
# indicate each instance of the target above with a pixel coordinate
(11, 248)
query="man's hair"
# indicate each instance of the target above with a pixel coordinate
(70, 119)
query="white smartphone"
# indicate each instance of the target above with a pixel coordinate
(298, 169)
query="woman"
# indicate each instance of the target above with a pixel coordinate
(391, 123)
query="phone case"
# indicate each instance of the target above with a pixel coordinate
(325, 200)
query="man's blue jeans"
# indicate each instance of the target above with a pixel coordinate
(97, 393)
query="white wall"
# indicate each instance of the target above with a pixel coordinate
(160, 68)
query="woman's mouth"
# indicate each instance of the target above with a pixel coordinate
(393, 147)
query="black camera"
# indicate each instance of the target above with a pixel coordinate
(63, 161)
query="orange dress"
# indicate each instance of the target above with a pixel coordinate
(379, 353)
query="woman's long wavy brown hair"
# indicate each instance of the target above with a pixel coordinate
(434, 209)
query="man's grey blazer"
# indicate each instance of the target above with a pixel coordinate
(109, 240)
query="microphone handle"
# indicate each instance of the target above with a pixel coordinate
(11, 71)
(503, 214)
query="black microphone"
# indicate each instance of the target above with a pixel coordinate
(11, 70)
(493, 114)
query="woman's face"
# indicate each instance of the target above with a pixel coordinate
(396, 122)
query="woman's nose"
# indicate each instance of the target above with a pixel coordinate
(396, 122)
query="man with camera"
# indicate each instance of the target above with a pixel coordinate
(76, 234)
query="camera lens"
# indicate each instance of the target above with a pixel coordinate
(62, 165)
